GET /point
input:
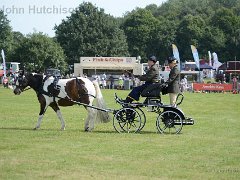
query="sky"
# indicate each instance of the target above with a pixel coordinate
(28, 16)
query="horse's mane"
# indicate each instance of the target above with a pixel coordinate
(36, 81)
(38, 77)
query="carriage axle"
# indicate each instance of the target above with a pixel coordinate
(188, 121)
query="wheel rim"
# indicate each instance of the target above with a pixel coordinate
(169, 122)
(127, 120)
(143, 118)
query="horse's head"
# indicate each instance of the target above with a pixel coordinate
(21, 83)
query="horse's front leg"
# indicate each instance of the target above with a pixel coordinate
(43, 108)
(55, 107)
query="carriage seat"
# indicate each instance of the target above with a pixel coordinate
(154, 90)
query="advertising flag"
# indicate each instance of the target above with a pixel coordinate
(210, 58)
(176, 54)
(216, 63)
(4, 63)
(195, 56)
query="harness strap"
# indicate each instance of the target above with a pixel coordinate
(27, 89)
(41, 91)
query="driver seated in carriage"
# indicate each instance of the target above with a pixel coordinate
(153, 87)
(151, 77)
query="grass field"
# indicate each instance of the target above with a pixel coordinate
(208, 150)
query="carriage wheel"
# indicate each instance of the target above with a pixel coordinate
(143, 118)
(127, 120)
(169, 122)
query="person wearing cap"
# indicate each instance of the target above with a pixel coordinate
(173, 80)
(151, 76)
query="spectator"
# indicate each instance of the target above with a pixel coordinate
(234, 83)
(184, 84)
(5, 82)
(120, 83)
(104, 83)
(111, 79)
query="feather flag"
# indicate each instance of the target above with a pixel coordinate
(195, 56)
(4, 63)
(210, 58)
(216, 63)
(176, 54)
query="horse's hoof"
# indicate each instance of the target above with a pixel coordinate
(88, 129)
(35, 128)
(63, 128)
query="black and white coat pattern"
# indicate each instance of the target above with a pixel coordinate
(70, 91)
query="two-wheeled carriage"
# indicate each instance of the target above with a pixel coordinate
(81, 91)
(131, 117)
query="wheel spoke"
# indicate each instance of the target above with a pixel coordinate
(168, 119)
(133, 124)
(165, 127)
(128, 120)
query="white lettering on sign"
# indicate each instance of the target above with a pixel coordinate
(126, 60)
(103, 59)
(213, 87)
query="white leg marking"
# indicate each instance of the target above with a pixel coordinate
(89, 122)
(39, 122)
(59, 115)
(86, 127)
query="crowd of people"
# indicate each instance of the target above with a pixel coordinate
(137, 83)
(9, 80)
(124, 81)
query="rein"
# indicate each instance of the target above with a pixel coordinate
(26, 89)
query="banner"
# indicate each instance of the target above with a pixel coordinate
(212, 87)
(216, 63)
(195, 56)
(176, 54)
(4, 63)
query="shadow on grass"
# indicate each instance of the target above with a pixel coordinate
(67, 130)
(16, 128)
(82, 131)
(115, 132)
(103, 132)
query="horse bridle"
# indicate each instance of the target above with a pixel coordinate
(26, 89)
(20, 88)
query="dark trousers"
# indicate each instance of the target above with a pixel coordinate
(136, 92)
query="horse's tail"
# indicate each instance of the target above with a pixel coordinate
(101, 116)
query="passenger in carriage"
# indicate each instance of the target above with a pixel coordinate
(173, 80)
(151, 76)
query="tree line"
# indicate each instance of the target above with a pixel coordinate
(210, 25)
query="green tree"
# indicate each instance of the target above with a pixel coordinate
(90, 32)
(226, 20)
(140, 27)
(208, 24)
(6, 35)
(212, 40)
(190, 32)
(18, 39)
(165, 36)
(37, 52)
